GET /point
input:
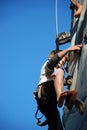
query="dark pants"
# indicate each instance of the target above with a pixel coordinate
(49, 107)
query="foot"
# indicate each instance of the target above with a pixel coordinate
(71, 96)
(62, 97)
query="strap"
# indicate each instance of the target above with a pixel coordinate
(39, 123)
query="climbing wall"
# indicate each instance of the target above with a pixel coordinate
(72, 119)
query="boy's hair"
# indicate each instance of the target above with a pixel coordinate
(52, 53)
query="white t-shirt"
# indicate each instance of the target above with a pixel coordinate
(47, 74)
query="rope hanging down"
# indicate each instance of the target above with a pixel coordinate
(63, 37)
(56, 18)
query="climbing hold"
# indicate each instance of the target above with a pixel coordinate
(79, 10)
(80, 105)
(68, 81)
(86, 36)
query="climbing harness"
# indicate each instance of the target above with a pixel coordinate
(39, 103)
(39, 123)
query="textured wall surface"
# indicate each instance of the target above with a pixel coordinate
(72, 119)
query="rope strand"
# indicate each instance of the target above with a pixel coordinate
(56, 19)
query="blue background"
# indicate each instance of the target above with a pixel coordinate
(27, 35)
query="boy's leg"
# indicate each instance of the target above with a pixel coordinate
(59, 83)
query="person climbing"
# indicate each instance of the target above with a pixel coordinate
(50, 89)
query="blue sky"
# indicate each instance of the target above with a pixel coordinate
(27, 35)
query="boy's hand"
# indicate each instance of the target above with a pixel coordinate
(76, 47)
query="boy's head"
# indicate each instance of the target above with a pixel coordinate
(52, 53)
(62, 61)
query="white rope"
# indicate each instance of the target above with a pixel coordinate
(56, 18)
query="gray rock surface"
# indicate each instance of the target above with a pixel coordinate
(72, 119)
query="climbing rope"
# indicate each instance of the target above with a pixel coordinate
(63, 37)
(56, 18)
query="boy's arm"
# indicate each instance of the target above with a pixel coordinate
(57, 57)
(70, 49)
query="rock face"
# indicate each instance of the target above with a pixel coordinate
(72, 119)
